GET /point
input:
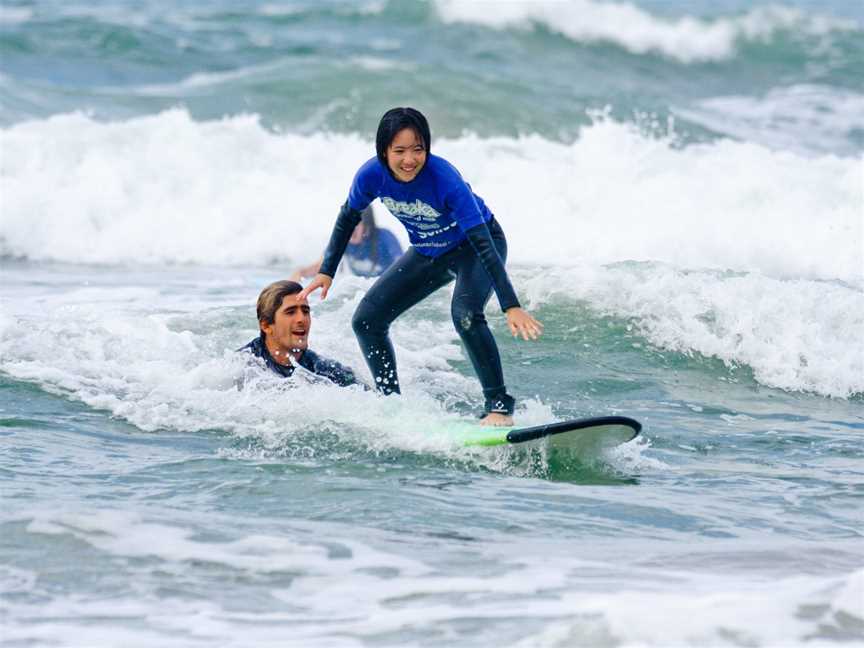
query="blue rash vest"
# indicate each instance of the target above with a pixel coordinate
(436, 208)
(363, 261)
(309, 360)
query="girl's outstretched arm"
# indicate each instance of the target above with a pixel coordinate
(345, 223)
(521, 322)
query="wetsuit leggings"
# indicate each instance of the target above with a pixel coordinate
(412, 278)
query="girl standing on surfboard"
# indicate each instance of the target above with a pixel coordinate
(453, 235)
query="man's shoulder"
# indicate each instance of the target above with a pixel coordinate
(257, 349)
(253, 346)
(313, 359)
(331, 369)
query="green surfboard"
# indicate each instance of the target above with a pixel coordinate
(579, 436)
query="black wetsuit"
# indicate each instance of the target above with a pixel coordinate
(309, 360)
(413, 278)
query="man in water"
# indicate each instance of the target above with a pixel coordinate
(284, 340)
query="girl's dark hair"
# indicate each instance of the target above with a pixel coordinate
(393, 121)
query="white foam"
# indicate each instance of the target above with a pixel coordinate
(128, 356)
(14, 580)
(166, 189)
(201, 80)
(570, 598)
(795, 334)
(379, 64)
(632, 458)
(15, 15)
(849, 597)
(800, 118)
(365, 8)
(128, 534)
(721, 612)
(273, 9)
(743, 251)
(615, 195)
(686, 39)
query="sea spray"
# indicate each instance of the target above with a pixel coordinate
(232, 192)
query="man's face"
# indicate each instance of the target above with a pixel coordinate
(289, 332)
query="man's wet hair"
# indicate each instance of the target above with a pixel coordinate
(271, 298)
(393, 121)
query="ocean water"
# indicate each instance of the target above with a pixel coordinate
(682, 187)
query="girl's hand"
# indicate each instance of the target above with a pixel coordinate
(521, 323)
(321, 281)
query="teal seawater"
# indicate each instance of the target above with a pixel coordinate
(308, 66)
(149, 501)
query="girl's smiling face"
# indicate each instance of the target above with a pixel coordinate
(406, 155)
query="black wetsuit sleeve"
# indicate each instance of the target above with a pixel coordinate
(339, 374)
(342, 230)
(481, 241)
(330, 369)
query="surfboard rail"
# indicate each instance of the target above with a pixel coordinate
(588, 434)
(521, 435)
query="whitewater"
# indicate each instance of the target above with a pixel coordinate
(726, 249)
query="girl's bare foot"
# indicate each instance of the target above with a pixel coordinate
(498, 420)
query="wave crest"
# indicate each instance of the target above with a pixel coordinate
(685, 39)
(167, 189)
